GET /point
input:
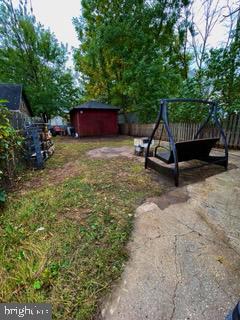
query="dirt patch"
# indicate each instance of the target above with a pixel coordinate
(108, 152)
(77, 215)
(178, 195)
(53, 177)
(67, 139)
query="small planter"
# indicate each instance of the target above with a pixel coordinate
(140, 146)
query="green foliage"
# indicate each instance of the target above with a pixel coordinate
(191, 112)
(134, 53)
(2, 195)
(219, 79)
(223, 70)
(32, 56)
(10, 142)
(9, 138)
(130, 53)
(37, 285)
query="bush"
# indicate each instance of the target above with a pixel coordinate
(10, 142)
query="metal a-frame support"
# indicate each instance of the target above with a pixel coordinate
(163, 116)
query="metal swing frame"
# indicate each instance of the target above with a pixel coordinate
(196, 149)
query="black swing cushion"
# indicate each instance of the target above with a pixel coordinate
(189, 150)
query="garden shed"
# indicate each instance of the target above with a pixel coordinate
(95, 119)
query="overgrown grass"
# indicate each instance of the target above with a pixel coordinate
(65, 243)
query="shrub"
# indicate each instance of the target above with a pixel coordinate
(10, 142)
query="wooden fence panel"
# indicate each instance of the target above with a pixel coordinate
(19, 120)
(186, 131)
(237, 131)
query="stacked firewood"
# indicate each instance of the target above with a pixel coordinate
(47, 143)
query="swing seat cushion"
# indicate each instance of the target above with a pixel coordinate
(189, 150)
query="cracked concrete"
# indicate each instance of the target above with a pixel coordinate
(184, 255)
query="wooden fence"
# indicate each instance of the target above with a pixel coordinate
(19, 120)
(186, 131)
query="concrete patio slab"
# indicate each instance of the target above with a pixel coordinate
(184, 255)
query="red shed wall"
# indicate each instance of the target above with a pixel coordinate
(95, 122)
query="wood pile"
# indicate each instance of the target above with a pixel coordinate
(46, 143)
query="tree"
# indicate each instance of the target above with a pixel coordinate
(200, 36)
(130, 52)
(31, 55)
(215, 73)
(223, 67)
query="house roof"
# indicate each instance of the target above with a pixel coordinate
(13, 93)
(95, 105)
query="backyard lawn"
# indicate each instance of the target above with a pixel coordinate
(64, 231)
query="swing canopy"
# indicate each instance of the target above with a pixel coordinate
(197, 148)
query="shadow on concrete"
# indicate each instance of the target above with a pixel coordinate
(191, 172)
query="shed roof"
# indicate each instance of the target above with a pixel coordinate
(95, 105)
(13, 94)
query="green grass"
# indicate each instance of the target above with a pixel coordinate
(64, 243)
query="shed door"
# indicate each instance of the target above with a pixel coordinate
(98, 123)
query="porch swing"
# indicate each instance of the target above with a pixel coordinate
(195, 149)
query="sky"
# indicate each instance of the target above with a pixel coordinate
(219, 32)
(58, 14)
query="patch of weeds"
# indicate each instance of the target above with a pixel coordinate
(65, 243)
